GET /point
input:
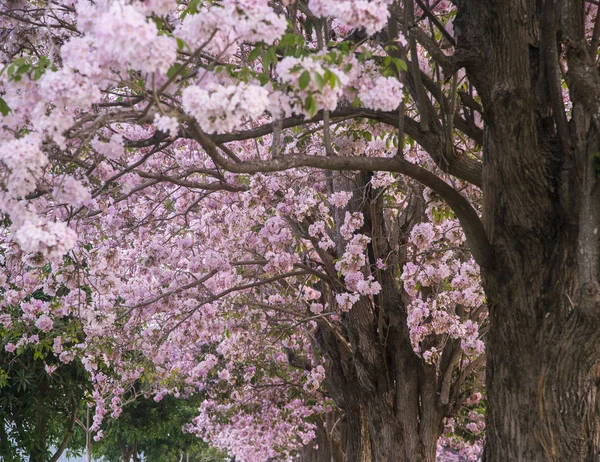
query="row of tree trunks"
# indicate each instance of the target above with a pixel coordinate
(388, 401)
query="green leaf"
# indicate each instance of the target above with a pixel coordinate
(263, 79)
(4, 109)
(311, 105)
(400, 64)
(174, 69)
(23, 68)
(309, 27)
(388, 72)
(192, 8)
(180, 44)
(304, 80)
(44, 62)
(269, 57)
(286, 40)
(308, 102)
(314, 109)
(333, 79)
(319, 80)
(3, 378)
(254, 54)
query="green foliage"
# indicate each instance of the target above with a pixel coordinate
(442, 213)
(175, 69)
(304, 80)
(310, 104)
(394, 66)
(34, 67)
(35, 407)
(4, 109)
(155, 430)
(254, 54)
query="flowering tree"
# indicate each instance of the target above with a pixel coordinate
(279, 204)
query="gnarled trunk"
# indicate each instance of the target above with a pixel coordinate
(541, 216)
(541, 372)
(390, 399)
(390, 416)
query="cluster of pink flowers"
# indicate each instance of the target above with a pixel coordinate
(290, 70)
(23, 160)
(221, 108)
(122, 35)
(372, 15)
(72, 191)
(351, 264)
(44, 323)
(452, 280)
(381, 93)
(340, 199)
(167, 124)
(220, 28)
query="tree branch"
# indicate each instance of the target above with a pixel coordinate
(65, 442)
(466, 169)
(466, 214)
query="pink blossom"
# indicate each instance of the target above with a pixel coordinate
(50, 368)
(72, 192)
(44, 323)
(383, 93)
(340, 199)
(219, 108)
(346, 301)
(166, 124)
(372, 15)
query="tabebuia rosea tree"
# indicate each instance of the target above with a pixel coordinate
(305, 211)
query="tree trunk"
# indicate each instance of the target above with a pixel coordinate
(70, 430)
(134, 452)
(125, 450)
(541, 217)
(400, 423)
(541, 379)
(389, 397)
(88, 436)
(326, 446)
(38, 454)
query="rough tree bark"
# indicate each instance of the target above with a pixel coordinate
(129, 452)
(38, 453)
(541, 218)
